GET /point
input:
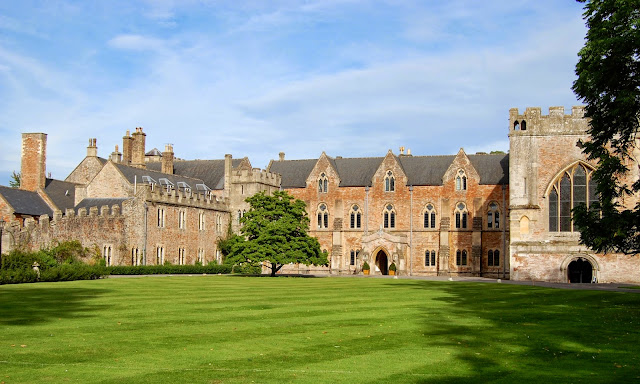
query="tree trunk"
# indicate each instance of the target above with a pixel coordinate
(275, 268)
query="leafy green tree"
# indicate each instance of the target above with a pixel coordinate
(275, 231)
(608, 83)
(14, 182)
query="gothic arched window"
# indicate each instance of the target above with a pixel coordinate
(389, 216)
(389, 182)
(461, 181)
(355, 217)
(461, 215)
(323, 216)
(323, 183)
(571, 188)
(429, 216)
(493, 216)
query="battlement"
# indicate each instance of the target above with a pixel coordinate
(533, 122)
(188, 198)
(256, 175)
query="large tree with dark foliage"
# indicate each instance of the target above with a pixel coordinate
(274, 230)
(608, 83)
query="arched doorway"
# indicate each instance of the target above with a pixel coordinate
(382, 262)
(580, 271)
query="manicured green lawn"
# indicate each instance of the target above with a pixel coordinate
(226, 329)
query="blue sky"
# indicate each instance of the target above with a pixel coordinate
(252, 78)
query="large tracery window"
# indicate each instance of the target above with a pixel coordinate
(572, 188)
(430, 216)
(323, 183)
(389, 217)
(389, 182)
(355, 217)
(323, 216)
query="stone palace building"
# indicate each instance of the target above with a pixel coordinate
(494, 215)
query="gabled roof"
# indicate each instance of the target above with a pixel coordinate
(25, 202)
(294, 172)
(210, 171)
(134, 174)
(62, 193)
(99, 202)
(420, 170)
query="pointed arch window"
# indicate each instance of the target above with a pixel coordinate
(461, 216)
(355, 217)
(389, 217)
(461, 257)
(493, 258)
(493, 216)
(389, 182)
(429, 216)
(461, 181)
(570, 189)
(323, 183)
(323, 216)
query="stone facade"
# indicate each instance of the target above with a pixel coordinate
(493, 215)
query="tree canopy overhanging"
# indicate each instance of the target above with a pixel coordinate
(275, 230)
(609, 84)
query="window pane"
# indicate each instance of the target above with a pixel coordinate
(458, 257)
(464, 257)
(496, 258)
(553, 211)
(353, 220)
(565, 204)
(393, 219)
(386, 219)
(433, 219)
(358, 219)
(457, 219)
(579, 187)
(490, 220)
(433, 258)
(464, 219)
(497, 222)
(426, 220)
(490, 259)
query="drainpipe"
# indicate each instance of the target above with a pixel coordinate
(504, 234)
(411, 230)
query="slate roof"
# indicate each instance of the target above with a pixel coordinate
(25, 202)
(210, 171)
(99, 202)
(420, 170)
(133, 174)
(62, 193)
(154, 152)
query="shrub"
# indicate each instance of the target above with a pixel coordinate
(392, 267)
(168, 269)
(366, 266)
(17, 276)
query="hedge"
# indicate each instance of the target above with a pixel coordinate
(169, 269)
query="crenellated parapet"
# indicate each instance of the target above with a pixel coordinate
(532, 122)
(256, 175)
(186, 198)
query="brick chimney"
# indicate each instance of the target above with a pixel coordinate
(137, 150)
(34, 156)
(167, 159)
(92, 149)
(127, 144)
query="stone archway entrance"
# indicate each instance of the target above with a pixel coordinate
(580, 271)
(382, 262)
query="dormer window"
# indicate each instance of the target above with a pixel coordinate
(165, 183)
(389, 182)
(184, 186)
(461, 181)
(323, 183)
(149, 180)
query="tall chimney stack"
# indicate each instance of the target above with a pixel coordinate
(127, 144)
(167, 159)
(92, 149)
(137, 150)
(33, 159)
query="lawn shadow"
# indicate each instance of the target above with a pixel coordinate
(43, 302)
(503, 333)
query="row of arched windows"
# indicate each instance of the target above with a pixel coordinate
(390, 182)
(429, 216)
